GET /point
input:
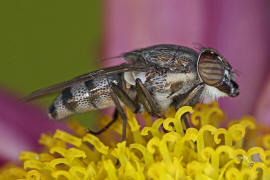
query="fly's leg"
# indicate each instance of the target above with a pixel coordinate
(124, 97)
(185, 119)
(117, 92)
(187, 100)
(115, 116)
(146, 99)
(120, 110)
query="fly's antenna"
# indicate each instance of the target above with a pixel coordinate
(236, 72)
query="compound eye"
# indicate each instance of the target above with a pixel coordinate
(210, 67)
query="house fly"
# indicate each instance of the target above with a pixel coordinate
(152, 79)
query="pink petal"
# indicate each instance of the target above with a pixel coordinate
(242, 39)
(263, 107)
(20, 127)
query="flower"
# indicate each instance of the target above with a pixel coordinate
(160, 150)
(238, 29)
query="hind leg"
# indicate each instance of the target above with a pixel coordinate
(115, 116)
(120, 109)
(117, 93)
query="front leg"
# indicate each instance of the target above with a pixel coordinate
(188, 99)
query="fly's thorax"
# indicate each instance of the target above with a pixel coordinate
(168, 56)
(177, 84)
(181, 82)
(164, 86)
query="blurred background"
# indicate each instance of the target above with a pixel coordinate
(45, 42)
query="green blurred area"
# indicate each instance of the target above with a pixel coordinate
(46, 42)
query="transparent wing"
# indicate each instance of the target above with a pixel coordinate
(82, 78)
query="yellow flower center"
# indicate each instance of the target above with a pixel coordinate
(163, 149)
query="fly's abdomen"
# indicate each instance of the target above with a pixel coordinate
(80, 98)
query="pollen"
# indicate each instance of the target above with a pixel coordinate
(162, 149)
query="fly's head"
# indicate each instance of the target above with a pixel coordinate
(215, 71)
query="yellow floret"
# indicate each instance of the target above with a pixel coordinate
(163, 149)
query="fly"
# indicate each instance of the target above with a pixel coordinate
(151, 80)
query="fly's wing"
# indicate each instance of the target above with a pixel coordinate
(84, 77)
(171, 57)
